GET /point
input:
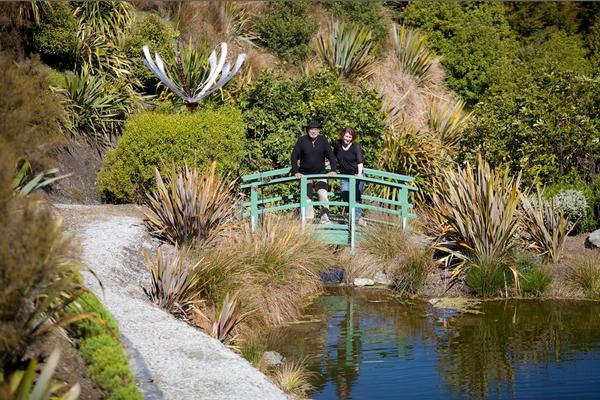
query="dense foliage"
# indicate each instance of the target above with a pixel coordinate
(286, 28)
(56, 36)
(548, 124)
(159, 140)
(276, 109)
(159, 36)
(474, 40)
(368, 14)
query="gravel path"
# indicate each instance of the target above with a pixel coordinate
(183, 362)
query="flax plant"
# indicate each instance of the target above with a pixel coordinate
(107, 18)
(480, 208)
(173, 283)
(545, 229)
(190, 207)
(348, 50)
(447, 120)
(413, 55)
(228, 318)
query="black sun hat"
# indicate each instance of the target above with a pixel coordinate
(313, 124)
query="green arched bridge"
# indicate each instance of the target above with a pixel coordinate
(344, 231)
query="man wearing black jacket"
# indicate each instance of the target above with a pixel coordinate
(311, 150)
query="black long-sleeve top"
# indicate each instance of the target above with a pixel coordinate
(348, 160)
(312, 155)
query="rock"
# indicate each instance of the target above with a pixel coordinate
(272, 358)
(382, 279)
(335, 275)
(363, 282)
(593, 240)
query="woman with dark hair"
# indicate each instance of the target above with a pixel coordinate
(350, 162)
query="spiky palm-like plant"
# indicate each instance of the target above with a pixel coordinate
(545, 228)
(479, 206)
(447, 120)
(218, 73)
(191, 206)
(413, 55)
(107, 18)
(348, 50)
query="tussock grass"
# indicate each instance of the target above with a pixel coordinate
(535, 277)
(410, 273)
(584, 274)
(293, 378)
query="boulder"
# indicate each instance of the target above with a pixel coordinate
(382, 279)
(593, 240)
(272, 358)
(363, 282)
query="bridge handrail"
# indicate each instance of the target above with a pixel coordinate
(287, 171)
(327, 176)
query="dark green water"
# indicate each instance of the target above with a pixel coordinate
(367, 345)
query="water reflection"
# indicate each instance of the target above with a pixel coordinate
(369, 346)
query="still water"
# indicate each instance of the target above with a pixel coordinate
(366, 344)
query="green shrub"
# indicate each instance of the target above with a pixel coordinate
(368, 14)
(159, 36)
(276, 109)
(474, 40)
(102, 351)
(56, 36)
(544, 123)
(158, 140)
(286, 28)
(488, 277)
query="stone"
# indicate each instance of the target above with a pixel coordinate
(382, 279)
(593, 240)
(363, 282)
(272, 358)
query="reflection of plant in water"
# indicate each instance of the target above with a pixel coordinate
(481, 354)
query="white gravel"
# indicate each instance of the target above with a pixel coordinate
(183, 362)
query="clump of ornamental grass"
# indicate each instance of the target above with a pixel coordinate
(279, 265)
(190, 207)
(545, 229)
(411, 270)
(584, 274)
(489, 277)
(293, 378)
(534, 276)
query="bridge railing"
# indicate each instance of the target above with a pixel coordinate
(399, 206)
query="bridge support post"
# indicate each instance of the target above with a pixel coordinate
(404, 208)
(352, 211)
(303, 200)
(254, 207)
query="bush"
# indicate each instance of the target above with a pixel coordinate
(474, 40)
(368, 14)
(56, 36)
(158, 140)
(37, 270)
(588, 220)
(30, 114)
(159, 36)
(286, 28)
(544, 123)
(572, 203)
(276, 110)
(101, 349)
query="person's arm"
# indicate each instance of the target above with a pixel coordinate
(331, 157)
(359, 159)
(295, 157)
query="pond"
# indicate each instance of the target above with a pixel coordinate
(368, 344)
